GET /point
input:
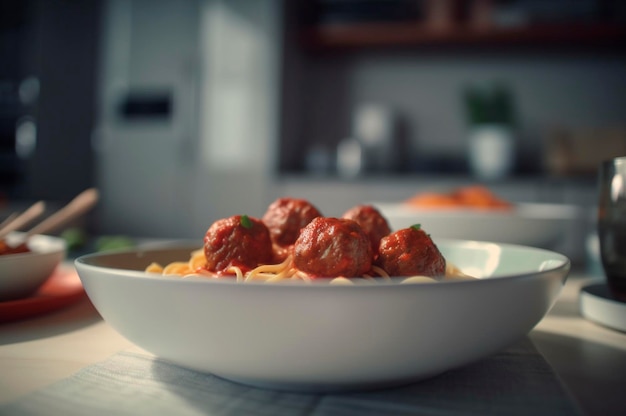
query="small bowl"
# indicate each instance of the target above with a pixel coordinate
(23, 274)
(319, 337)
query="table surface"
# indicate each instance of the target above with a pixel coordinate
(590, 359)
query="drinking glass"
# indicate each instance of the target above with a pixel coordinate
(612, 224)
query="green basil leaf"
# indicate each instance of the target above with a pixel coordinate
(246, 222)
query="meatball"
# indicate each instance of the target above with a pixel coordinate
(240, 241)
(410, 252)
(332, 247)
(285, 217)
(372, 222)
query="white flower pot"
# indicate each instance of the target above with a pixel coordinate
(491, 151)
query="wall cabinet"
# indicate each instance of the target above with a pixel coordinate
(414, 34)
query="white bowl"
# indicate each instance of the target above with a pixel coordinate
(321, 337)
(532, 224)
(22, 274)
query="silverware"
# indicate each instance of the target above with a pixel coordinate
(15, 222)
(82, 203)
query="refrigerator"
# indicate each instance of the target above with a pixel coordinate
(187, 119)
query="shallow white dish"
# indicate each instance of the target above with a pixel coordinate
(321, 337)
(537, 225)
(22, 274)
(598, 305)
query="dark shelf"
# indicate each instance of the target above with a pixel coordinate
(416, 34)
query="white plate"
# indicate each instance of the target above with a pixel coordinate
(320, 337)
(598, 305)
(538, 225)
(22, 274)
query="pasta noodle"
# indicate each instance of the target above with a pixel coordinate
(272, 273)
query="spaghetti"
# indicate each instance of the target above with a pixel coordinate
(272, 273)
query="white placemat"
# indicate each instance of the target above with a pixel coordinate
(516, 381)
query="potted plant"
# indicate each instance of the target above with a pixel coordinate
(491, 139)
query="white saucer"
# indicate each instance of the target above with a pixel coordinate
(598, 305)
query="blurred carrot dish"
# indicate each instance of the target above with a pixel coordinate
(473, 196)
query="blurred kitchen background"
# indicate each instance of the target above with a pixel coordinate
(183, 112)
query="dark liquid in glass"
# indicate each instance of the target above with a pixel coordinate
(613, 250)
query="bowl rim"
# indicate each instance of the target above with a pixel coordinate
(526, 210)
(562, 265)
